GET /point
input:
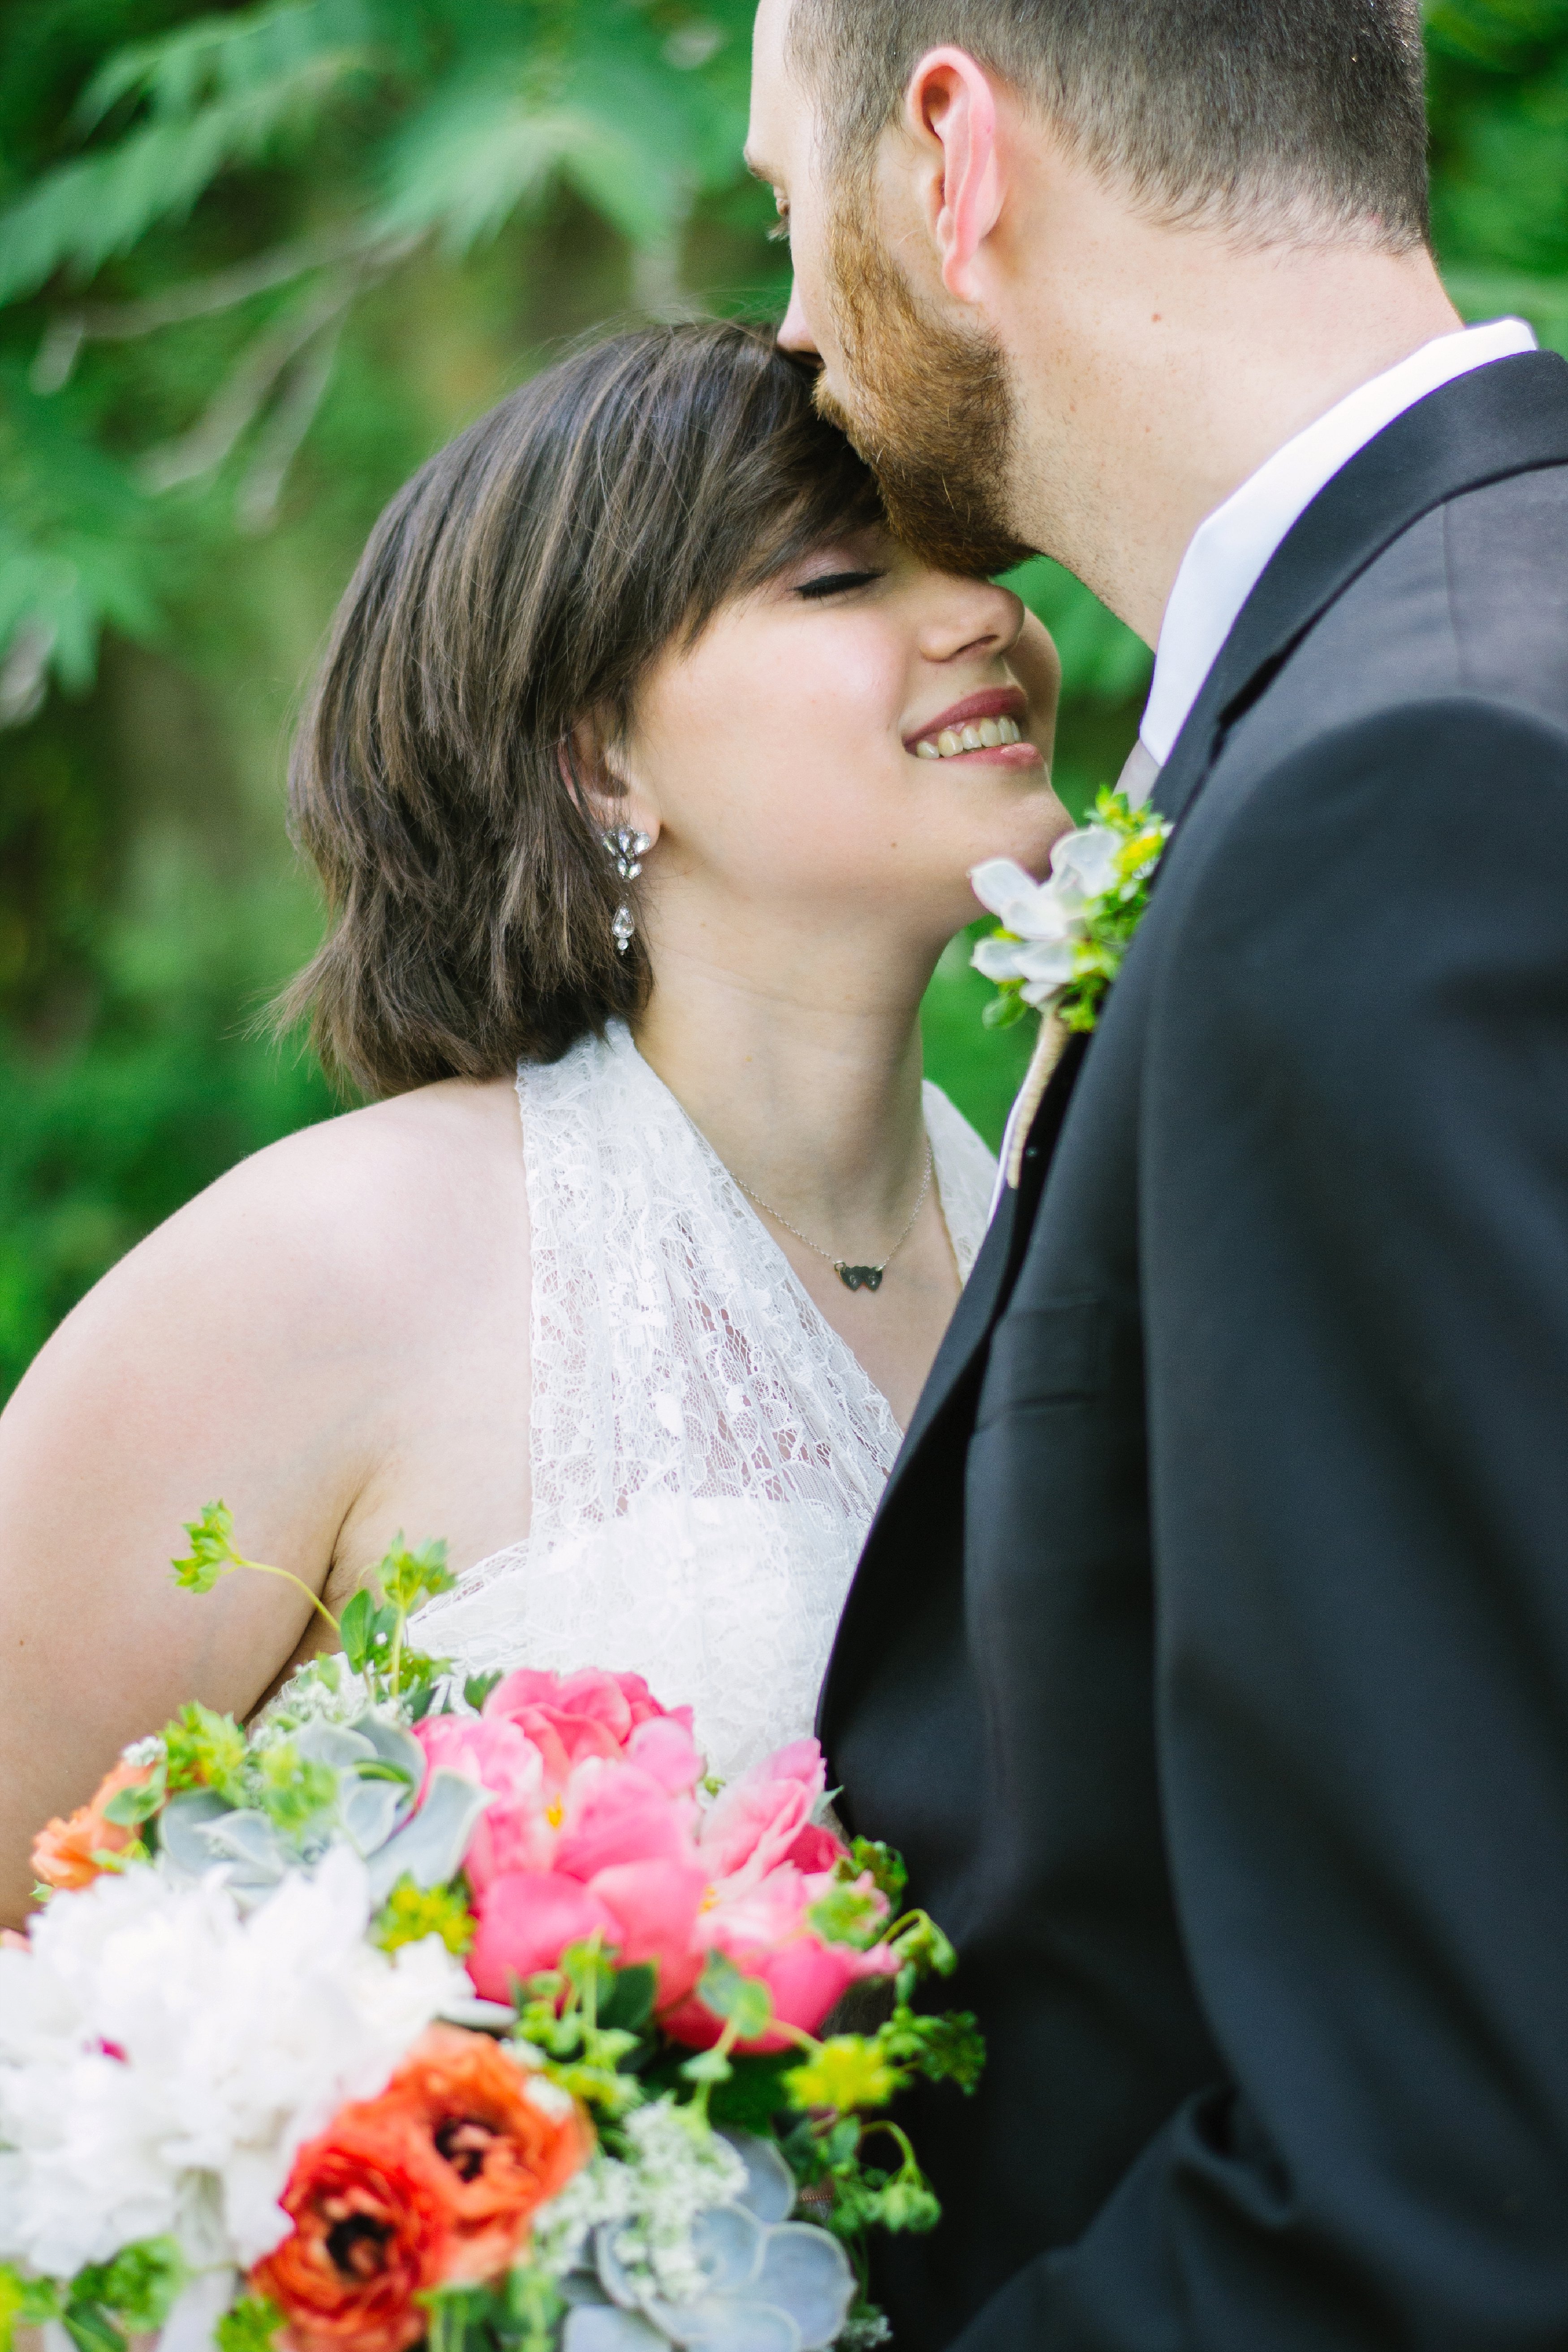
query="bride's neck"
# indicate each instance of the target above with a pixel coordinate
(805, 1082)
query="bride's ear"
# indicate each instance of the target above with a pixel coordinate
(609, 792)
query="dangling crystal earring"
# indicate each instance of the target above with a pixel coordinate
(626, 847)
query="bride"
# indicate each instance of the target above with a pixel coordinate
(622, 776)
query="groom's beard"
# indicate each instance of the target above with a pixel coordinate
(931, 409)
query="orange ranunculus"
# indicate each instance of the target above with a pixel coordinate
(371, 2230)
(501, 2150)
(435, 2181)
(63, 1851)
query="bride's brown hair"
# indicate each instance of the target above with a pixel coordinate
(524, 580)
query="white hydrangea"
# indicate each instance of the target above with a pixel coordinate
(678, 2167)
(163, 2054)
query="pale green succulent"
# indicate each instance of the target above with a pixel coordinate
(768, 2283)
(327, 1784)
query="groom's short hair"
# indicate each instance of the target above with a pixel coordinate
(1277, 117)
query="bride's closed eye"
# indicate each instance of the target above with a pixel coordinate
(837, 584)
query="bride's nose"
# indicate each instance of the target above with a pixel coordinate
(969, 617)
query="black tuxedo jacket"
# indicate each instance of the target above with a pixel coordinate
(1208, 1658)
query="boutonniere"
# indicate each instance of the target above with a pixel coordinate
(1062, 941)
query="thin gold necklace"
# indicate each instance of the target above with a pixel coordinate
(853, 1277)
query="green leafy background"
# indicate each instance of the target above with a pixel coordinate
(255, 263)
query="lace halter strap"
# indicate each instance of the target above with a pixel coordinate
(707, 1452)
(675, 1349)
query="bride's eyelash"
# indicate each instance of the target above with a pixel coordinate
(834, 583)
(779, 233)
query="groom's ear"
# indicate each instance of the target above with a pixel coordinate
(949, 111)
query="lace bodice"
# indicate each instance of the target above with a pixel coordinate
(707, 1452)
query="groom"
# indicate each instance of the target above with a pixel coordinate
(1209, 1657)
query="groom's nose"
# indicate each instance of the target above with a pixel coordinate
(795, 335)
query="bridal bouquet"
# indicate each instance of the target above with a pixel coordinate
(483, 2019)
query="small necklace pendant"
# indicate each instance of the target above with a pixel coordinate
(859, 1277)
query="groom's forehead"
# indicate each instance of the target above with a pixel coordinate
(774, 92)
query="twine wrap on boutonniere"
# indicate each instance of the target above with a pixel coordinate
(1062, 941)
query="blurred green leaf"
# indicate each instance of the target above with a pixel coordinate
(219, 92)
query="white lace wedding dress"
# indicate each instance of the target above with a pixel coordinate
(707, 1452)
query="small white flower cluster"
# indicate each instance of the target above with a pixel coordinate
(864, 2335)
(678, 2169)
(735, 2276)
(326, 1690)
(165, 2052)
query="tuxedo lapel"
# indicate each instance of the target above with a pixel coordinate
(1507, 418)
(985, 1291)
(991, 1276)
(947, 1392)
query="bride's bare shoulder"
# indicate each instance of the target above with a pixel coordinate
(413, 1156)
(399, 1211)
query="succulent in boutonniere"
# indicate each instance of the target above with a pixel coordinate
(1062, 941)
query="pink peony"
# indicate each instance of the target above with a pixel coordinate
(595, 1832)
(643, 1913)
(758, 1819)
(657, 1905)
(621, 1861)
(516, 1832)
(770, 1863)
(666, 1750)
(527, 1918)
(572, 1717)
(814, 1850)
(765, 1929)
(616, 1812)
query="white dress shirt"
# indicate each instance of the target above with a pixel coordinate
(1225, 559)
(1230, 547)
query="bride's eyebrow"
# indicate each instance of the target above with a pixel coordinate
(757, 168)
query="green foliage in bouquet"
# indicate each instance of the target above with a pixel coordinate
(373, 1626)
(250, 2326)
(103, 2303)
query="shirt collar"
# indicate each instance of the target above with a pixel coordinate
(1231, 547)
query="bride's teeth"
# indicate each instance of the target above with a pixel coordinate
(981, 735)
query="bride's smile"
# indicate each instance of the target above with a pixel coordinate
(992, 722)
(644, 774)
(777, 765)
